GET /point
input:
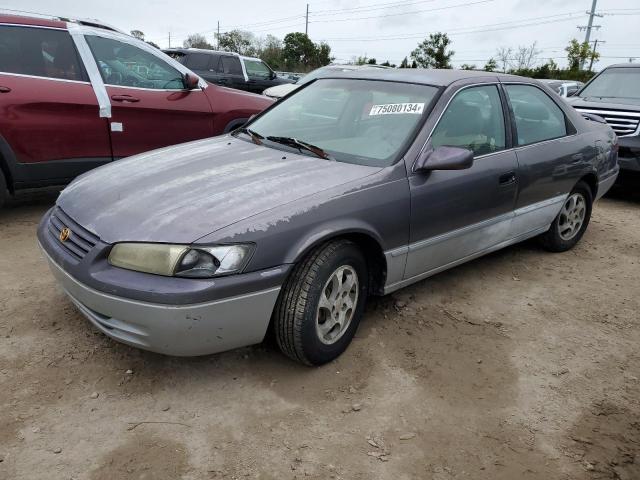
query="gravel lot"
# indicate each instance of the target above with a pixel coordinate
(520, 365)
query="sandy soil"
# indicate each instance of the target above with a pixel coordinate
(520, 365)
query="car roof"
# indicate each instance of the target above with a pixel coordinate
(624, 65)
(199, 50)
(426, 76)
(50, 21)
(35, 21)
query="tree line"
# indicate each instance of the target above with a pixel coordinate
(297, 52)
(435, 52)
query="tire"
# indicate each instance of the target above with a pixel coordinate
(232, 125)
(301, 324)
(4, 193)
(560, 237)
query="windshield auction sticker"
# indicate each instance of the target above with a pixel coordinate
(396, 108)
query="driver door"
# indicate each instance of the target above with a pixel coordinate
(149, 106)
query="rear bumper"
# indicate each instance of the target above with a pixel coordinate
(607, 183)
(181, 330)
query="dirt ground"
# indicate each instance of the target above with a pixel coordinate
(520, 365)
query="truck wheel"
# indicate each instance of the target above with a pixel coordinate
(572, 221)
(321, 303)
(4, 193)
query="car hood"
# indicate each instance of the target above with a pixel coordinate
(280, 91)
(181, 193)
(606, 103)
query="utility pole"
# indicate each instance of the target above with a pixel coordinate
(306, 22)
(169, 39)
(218, 34)
(590, 25)
(593, 51)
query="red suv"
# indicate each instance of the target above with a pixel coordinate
(75, 95)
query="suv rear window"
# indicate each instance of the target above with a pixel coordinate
(41, 52)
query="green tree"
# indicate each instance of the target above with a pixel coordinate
(137, 34)
(466, 66)
(371, 61)
(404, 63)
(578, 53)
(271, 52)
(237, 41)
(299, 52)
(386, 63)
(323, 54)
(433, 52)
(197, 40)
(153, 44)
(491, 65)
(414, 64)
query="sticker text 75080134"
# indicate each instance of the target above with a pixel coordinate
(397, 108)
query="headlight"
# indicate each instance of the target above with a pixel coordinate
(181, 260)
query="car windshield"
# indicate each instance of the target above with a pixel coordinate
(615, 83)
(365, 122)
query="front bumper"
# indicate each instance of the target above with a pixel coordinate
(629, 153)
(182, 330)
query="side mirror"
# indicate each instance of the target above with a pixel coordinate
(190, 81)
(444, 158)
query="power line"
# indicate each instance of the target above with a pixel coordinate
(467, 4)
(479, 29)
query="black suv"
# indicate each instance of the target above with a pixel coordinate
(228, 69)
(614, 94)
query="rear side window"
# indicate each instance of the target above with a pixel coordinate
(41, 52)
(474, 119)
(537, 117)
(231, 66)
(199, 61)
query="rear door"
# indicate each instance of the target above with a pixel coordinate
(149, 106)
(203, 64)
(231, 72)
(49, 113)
(456, 214)
(550, 155)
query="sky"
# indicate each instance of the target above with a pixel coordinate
(382, 29)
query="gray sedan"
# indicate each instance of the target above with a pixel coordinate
(356, 185)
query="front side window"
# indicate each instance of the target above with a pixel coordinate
(474, 119)
(537, 117)
(41, 52)
(125, 65)
(617, 82)
(365, 122)
(257, 69)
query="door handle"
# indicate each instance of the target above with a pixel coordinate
(507, 178)
(124, 98)
(5, 89)
(577, 157)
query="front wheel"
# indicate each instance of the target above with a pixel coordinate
(320, 306)
(572, 221)
(3, 189)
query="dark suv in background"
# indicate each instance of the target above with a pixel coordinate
(614, 94)
(228, 69)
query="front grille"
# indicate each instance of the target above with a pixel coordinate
(623, 123)
(80, 241)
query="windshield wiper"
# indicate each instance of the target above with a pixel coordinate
(301, 145)
(255, 136)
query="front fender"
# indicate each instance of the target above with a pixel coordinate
(377, 206)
